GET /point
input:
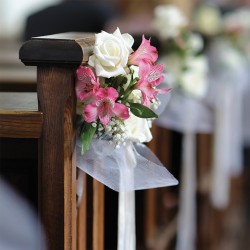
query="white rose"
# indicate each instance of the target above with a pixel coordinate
(135, 96)
(138, 129)
(169, 21)
(111, 53)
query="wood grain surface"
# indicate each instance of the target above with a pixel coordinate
(19, 115)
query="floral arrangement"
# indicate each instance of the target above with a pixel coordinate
(229, 34)
(117, 91)
(237, 27)
(207, 20)
(233, 26)
(186, 67)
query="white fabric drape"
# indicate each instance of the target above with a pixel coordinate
(228, 81)
(126, 221)
(186, 227)
(189, 116)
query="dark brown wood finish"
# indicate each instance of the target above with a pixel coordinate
(98, 215)
(56, 58)
(65, 48)
(19, 116)
(82, 218)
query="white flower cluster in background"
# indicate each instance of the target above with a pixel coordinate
(230, 60)
(237, 25)
(187, 69)
(169, 21)
(207, 20)
(194, 43)
(192, 80)
(238, 20)
(233, 26)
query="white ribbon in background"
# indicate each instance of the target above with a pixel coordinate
(228, 81)
(246, 108)
(188, 115)
(125, 169)
(186, 226)
(221, 150)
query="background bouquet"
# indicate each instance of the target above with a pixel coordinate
(181, 51)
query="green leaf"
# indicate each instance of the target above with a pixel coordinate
(117, 81)
(86, 136)
(142, 111)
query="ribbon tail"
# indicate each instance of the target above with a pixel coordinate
(126, 208)
(186, 225)
(222, 151)
(126, 221)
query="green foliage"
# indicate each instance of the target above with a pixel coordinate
(142, 111)
(86, 135)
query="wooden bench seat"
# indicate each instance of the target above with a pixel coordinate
(19, 115)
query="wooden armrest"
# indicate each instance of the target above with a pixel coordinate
(19, 115)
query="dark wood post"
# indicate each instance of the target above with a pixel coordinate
(57, 58)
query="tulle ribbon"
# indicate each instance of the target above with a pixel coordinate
(110, 165)
(125, 169)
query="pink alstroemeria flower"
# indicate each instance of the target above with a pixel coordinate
(145, 52)
(150, 77)
(86, 83)
(104, 107)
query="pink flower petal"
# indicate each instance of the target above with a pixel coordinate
(86, 83)
(163, 91)
(146, 88)
(121, 111)
(105, 114)
(145, 52)
(150, 77)
(107, 92)
(90, 112)
(155, 76)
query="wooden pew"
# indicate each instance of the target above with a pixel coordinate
(52, 120)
